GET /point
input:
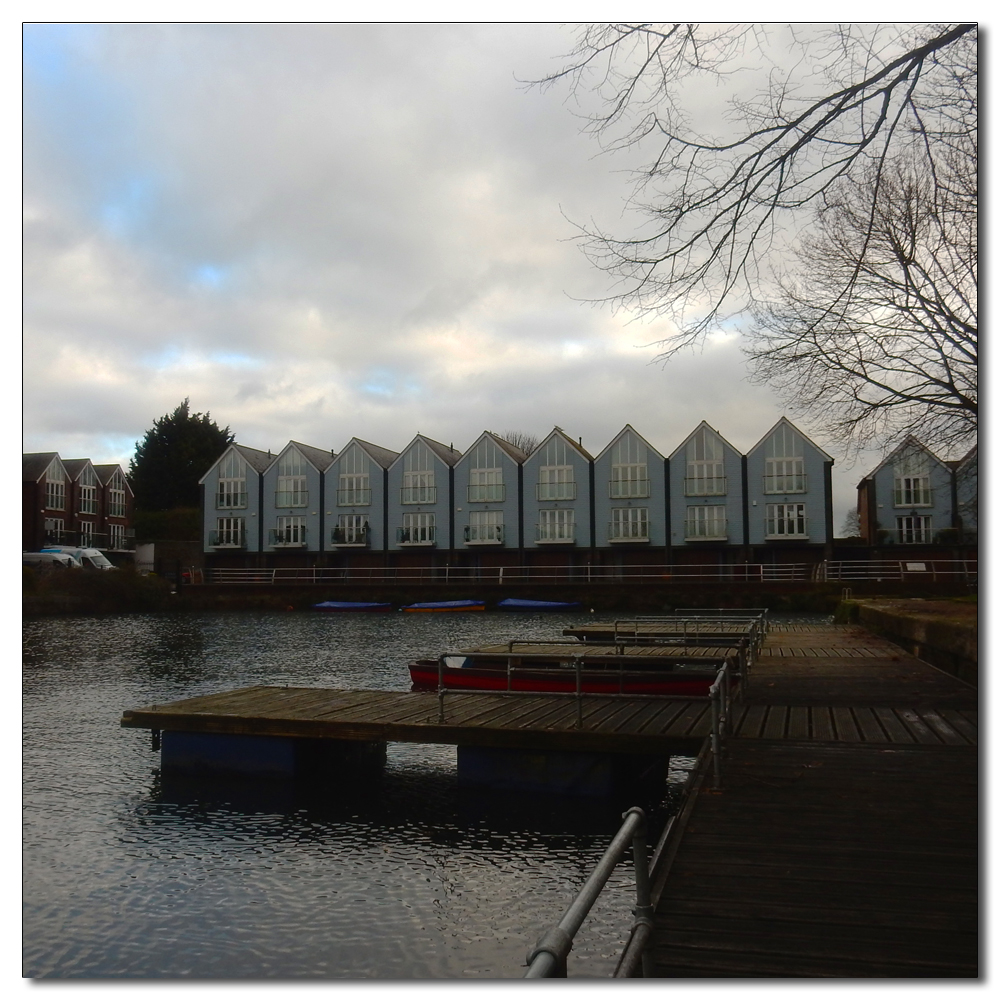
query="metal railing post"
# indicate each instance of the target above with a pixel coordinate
(440, 689)
(578, 663)
(714, 693)
(643, 911)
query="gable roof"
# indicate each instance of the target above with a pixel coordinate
(511, 450)
(75, 466)
(447, 455)
(704, 423)
(785, 420)
(907, 442)
(558, 431)
(615, 439)
(319, 458)
(383, 457)
(35, 464)
(106, 472)
(257, 460)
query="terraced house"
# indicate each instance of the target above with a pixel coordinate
(431, 506)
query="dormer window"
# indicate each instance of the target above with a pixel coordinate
(292, 491)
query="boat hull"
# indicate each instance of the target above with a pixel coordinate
(351, 606)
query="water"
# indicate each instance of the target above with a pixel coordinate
(127, 874)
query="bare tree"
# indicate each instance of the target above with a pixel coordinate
(852, 524)
(875, 331)
(521, 439)
(838, 102)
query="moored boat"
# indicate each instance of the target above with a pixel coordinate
(446, 606)
(352, 606)
(523, 604)
(553, 667)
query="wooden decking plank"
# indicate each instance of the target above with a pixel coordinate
(922, 733)
(944, 731)
(798, 727)
(894, 729)
(845, 726)
(869, 726)
(753, 721)
(775, 723)
(960, 723)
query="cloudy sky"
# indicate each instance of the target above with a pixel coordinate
(321, 231)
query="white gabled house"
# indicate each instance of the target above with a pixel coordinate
(233, 500)
(421, 502)
(293, 507)
(357, 483)
(706, 490)
(630, 493)
(789, 488)
(487, 494)
(557, 494)
(908, 498)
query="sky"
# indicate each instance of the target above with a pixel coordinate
(320, 231)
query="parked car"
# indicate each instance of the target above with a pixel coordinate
(84, 558)
(48, 560)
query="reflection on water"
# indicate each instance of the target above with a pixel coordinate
(130, 873)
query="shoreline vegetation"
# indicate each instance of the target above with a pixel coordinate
(125, 591)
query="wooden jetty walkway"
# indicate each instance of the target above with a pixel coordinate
(843, 841)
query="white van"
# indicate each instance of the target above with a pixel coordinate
(48, 560)
(85, 558)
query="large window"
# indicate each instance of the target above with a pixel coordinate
(116, 536)
(784, 462)
(87, 495)
(417, 529)
(485, 527)
(914, 529)
(290, 532)
(486, 473)
(86, 534)
(351, 529)
(705, 523)
(629, 524)
(418, 476)
(556, 526)
(116, 495)
(54, 528)
(912, 478)
(229, 533)
(354, 486)
(555, 475)
(786, 520)
(292, 491)
(629, 470)
(232, 489)
(705, 465)
(55, 486)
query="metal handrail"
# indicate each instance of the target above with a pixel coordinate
(548, 958)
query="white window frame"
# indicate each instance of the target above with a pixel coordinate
(55, 494)
(418, 487)
(705, 522)
(352, 529)
(292, 491)
(54, 526)
(629, 524)
(629, 481)
(913, 529)
(289, 532)
(486, 486)
(85, 532)
(485, 527)
(556, 482)
(231, 494)
(786, 520)
(230, 533)
(116, 536)
(912, 491)
(419, 528)
(556, 526)
(354, 490)
(784, 475)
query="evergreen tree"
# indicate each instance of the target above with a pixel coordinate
(172, 456)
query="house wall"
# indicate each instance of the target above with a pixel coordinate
(655, 503)
(732, 500)
(312, 511)
(886, 510)
(374, 511)
(581, 505)
(508, 506)
(251, 513)
(441, 507)
(814, 496)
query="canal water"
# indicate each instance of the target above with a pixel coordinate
(128, 874)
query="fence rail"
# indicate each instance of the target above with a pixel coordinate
(927, 570)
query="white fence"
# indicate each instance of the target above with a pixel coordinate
(954, 570)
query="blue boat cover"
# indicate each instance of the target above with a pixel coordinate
(352, 606)
(446, 604)
(521, 604)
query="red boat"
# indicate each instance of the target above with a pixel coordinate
(551, 667)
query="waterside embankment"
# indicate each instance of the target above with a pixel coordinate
(944, 633)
